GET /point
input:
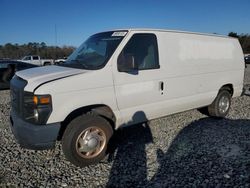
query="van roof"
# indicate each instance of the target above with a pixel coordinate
(172, 31)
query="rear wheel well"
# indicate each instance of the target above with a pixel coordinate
(228, 87)
(101, 110)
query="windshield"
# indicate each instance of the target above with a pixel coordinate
(95, 52)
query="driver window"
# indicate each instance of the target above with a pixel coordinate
(143, 48)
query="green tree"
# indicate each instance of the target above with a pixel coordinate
(233, 34)
(16, 51)
(244, 40)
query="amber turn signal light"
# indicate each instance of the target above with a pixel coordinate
(44, 100)
(41, 99)
(35, 100)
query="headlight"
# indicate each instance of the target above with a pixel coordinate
(37, 108)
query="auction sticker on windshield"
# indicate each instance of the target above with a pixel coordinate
(119, 34)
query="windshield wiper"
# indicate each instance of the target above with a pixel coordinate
(74, 63)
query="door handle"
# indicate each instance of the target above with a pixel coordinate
(161, 86)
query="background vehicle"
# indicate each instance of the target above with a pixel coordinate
(36, 60)
(60, 61)
(120, 78)
(247, 59)
(8, 69)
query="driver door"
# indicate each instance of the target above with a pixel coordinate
(139, 88)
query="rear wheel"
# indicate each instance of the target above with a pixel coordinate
(221, 105)
(85, 140)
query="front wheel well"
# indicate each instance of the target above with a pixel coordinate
(101, 110)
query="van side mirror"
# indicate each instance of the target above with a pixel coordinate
(126, 63)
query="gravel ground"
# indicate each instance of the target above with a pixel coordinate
(187, 149)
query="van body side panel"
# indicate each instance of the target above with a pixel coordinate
(193, 69)
(200, 64)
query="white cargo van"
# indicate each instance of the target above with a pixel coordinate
(118, 78)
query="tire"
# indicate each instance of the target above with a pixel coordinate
(47, 63)
(221, 105)
(85, 140)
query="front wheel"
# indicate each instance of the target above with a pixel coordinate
(221, 105)
(85, 140)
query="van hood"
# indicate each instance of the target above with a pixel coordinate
(40, 75)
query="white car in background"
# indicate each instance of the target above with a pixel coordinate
(36, 60)
(60, 61)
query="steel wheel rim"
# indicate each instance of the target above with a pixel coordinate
(224, 104)
(91, 142)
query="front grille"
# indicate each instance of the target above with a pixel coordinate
(15, 99)
(17, 85)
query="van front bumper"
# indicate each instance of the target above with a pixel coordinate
(36, 137)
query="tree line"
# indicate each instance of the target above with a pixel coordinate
(16, 51)
(244, 40)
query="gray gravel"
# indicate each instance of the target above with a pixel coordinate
(182, 150)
